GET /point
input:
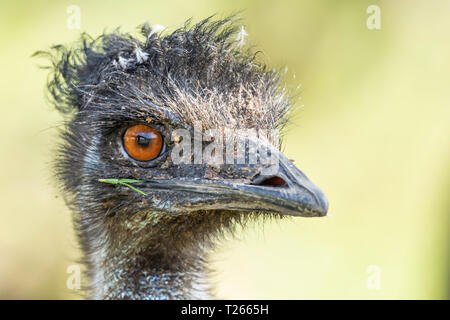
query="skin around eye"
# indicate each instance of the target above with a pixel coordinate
(142, 142)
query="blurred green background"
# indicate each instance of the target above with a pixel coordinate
(372, 131)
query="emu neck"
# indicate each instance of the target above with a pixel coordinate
(144, 256)
(120, 278)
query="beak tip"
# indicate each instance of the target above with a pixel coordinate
(322, 202)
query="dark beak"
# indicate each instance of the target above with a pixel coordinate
(286, 192)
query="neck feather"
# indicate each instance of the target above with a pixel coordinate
(148, 255)
(124, 278)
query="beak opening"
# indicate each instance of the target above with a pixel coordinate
(295, 192)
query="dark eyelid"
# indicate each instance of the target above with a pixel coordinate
(156, 116)
(167, 117)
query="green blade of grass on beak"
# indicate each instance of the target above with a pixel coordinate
(126, 183)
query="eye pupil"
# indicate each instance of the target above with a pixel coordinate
(142, 142)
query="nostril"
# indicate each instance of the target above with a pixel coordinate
(273, 182)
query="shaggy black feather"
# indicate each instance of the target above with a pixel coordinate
(138, 247)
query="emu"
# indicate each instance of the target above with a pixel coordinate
(144, 221)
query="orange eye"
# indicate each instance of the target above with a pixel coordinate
(142, 142)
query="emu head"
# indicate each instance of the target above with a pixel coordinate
(170, 141)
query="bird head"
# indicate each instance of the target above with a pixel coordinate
(177, 132)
